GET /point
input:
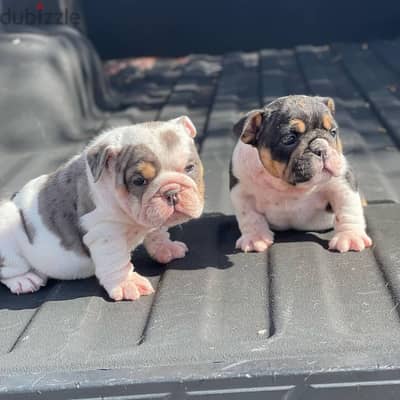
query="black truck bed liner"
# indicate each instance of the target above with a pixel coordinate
(299, 322)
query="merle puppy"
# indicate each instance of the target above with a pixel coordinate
(127, 187)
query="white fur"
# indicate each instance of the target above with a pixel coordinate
(263, 203)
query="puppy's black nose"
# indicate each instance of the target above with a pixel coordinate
(317, 149)
(172, 197)
(318, 152)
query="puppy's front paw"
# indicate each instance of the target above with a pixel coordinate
(350, 240)
(168, 250)
(131, 288)
(258, 242)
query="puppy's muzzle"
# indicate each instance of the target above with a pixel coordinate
(319, 147)
(329, 157)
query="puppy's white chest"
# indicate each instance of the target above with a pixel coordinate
(302, 212)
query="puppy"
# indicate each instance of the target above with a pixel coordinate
(128, 186)
(288, 172)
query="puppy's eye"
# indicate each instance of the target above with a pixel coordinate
(289, 139)
(333, 132)
(139, 181)
(189, 168)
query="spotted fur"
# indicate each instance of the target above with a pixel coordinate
(85, 218)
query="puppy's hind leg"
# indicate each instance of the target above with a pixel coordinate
(18, 276)
(26, 283)
(15, 271)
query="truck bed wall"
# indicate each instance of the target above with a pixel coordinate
(126, 28)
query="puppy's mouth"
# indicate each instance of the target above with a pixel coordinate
(327, 155)
(311, 170)
(172, 205)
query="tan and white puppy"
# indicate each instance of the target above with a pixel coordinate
(288, 172)
(128, 186)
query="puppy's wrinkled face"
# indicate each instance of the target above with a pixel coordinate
(297, 138)
(156, 171)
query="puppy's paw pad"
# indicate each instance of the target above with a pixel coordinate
(132, 288)
(350, 240)
(254, 242)
(26, 283)
(168, 251)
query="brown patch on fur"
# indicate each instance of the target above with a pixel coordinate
(298, 125)
(170, 139)
(147, 170)
(327, 122)
(275, 168)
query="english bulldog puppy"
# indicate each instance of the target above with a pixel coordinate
(288, 171)
(128, 186)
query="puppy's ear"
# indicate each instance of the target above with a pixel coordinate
(248, 128)
(97, 158)
(186, 122)
(329, 102)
